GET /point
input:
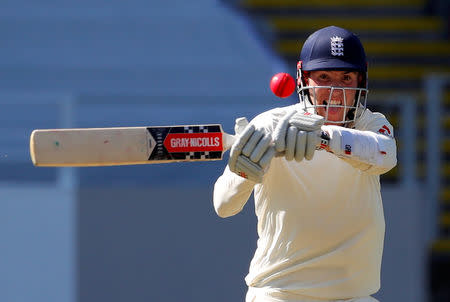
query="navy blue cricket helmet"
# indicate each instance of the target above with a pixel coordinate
(333, 48)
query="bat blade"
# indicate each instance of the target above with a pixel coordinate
(128, 145)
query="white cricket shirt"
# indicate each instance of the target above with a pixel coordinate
(320, 222)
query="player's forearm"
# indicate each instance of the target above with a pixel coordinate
(231, 193)
(368, 151)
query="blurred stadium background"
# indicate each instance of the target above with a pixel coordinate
(149, 233)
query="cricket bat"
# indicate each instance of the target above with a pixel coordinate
(128, 145)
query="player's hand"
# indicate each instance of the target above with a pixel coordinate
(298, 134)
(251, 153)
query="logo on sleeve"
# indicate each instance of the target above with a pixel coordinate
(385, 130)
(348, 149)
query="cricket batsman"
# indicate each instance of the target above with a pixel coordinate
(314, 169)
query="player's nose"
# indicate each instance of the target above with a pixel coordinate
(336, 91)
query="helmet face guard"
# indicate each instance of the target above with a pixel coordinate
(333, 48)
(350, 114)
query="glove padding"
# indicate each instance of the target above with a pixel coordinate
(298, 134)
(251, 154)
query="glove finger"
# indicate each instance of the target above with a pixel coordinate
(261, 148)
(249, 169)
(236, 149)
(311, 144)
(252, 142)
(265, 160)
(300, 146)
(279, 134)
(306, 121)
(291, 137)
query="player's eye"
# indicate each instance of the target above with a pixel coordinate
(347, 79)
(323, 76)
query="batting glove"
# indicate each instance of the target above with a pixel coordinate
(298, 134)
(251, 153)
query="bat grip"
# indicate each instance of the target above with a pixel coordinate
(323, 144)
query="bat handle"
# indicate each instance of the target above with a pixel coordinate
(228, 140)
(324, 143)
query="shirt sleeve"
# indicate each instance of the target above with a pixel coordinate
(370, 147)
(231, 193)
(384, 134)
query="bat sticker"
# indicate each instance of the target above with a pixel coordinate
(186, 142)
